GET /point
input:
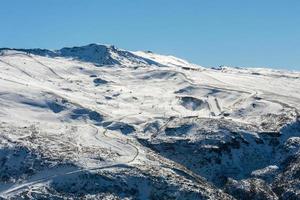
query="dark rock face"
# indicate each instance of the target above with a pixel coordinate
(91, 53)
(17, 162)
(55, 107)
(181, 130)
(255, 189)
(244, 161)
(122, 127)
(86, 114)
(192, 103)
(287, 183)
(99, 81)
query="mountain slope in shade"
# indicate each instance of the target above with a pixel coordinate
(97, 122)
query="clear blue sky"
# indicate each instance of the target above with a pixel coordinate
(256, 33)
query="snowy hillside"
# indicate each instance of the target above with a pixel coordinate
(98, 122)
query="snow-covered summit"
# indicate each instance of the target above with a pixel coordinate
(106, 55)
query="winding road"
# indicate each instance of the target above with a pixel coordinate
(45, 178)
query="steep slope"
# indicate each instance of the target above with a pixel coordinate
(99, 122)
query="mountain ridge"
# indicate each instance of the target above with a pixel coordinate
(111, 55)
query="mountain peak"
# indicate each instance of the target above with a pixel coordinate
(95, 53)
(101, 54)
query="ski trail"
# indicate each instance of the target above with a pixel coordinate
(21, 70)
(23, 84)
(218, 105)
(46, 66)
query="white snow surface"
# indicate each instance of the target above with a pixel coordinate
(87, 105)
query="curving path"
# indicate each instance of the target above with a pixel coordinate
(45, 178)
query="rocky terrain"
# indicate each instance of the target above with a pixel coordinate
(98, 122)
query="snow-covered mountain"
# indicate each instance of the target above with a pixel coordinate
(98, 122)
